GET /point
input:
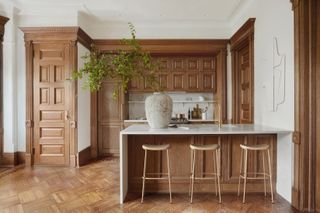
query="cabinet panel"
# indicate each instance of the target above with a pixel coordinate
(182, 73)
(208, 81)
(109, 138)
(178, 81)
(109, 109)
(193, 81)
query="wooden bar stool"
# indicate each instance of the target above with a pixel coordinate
(149, 147)
(244, 174)
(216, 166)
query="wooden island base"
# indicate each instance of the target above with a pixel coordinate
(180, 159)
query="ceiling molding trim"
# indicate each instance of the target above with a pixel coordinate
(40, 34)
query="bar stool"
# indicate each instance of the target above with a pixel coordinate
(216, 166)
(244, 174)
(149, 147)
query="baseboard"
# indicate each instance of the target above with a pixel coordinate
(21, 157)
(84, 156)
(12, 159)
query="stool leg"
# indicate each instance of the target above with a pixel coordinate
(264, 175)
(192, 177)
(218, 172)
(191, 157)
(215, 171)
(144, 174)
(169, 175)
(245, 175)
(270, 173)
(241, 157)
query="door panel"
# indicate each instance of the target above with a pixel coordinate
(51, 126)
(245, 85)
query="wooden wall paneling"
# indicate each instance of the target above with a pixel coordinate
(29, 103)
(242, 50)
(3, 21)
(111, 113)
(221, 82)
(307, 125)
(94, 124)
(317, 47)
(180, 157)
(169, 46)
(73, 65)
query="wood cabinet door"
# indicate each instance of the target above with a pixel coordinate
(109, 134)
(51, 104)
(111, 112)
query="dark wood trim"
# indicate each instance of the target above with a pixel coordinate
(169, 46)
(12, 159)
(94, 124)
(243, 33)
(307, 103)
(84, 156)
(3, 21)
(53, 34)
(242, 38)
(29, 103)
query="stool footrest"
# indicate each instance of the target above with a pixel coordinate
(151, 178)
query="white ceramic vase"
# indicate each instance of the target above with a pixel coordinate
(158, 108)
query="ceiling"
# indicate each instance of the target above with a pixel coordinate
(138, 10)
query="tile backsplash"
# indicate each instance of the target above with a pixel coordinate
(137, 108)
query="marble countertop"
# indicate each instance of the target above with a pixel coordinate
(204, 129)
(191, 120)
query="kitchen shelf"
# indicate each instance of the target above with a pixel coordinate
(179, 102)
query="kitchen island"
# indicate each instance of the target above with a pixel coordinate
(229, 137)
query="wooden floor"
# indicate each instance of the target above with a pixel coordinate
(95, 188)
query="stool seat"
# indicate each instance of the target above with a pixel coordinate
(153, 147)
(255, 147)
(204, 147)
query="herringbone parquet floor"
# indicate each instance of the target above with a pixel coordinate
(95, 188)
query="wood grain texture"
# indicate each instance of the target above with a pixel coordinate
(95, 188)
(3, 21)
(55, 36)
(307, 124)
(84, 156)
(180, 162)
(169, 46)
(317, 67)
(242, 50)
(182, 73)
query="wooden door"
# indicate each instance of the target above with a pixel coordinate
(242, 73)
(51, 104)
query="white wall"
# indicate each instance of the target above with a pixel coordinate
(9, 78)
(274, 18)
(83, 106)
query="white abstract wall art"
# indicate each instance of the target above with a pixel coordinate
(279, 76)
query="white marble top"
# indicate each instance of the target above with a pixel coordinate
(203, 129)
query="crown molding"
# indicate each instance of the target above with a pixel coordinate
(40, 34)
(3, 21)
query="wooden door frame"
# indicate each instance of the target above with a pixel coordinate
(307, 99)
(244, 36)
(52, 35)
(3, 21)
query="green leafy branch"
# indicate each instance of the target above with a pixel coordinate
(120, 65)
